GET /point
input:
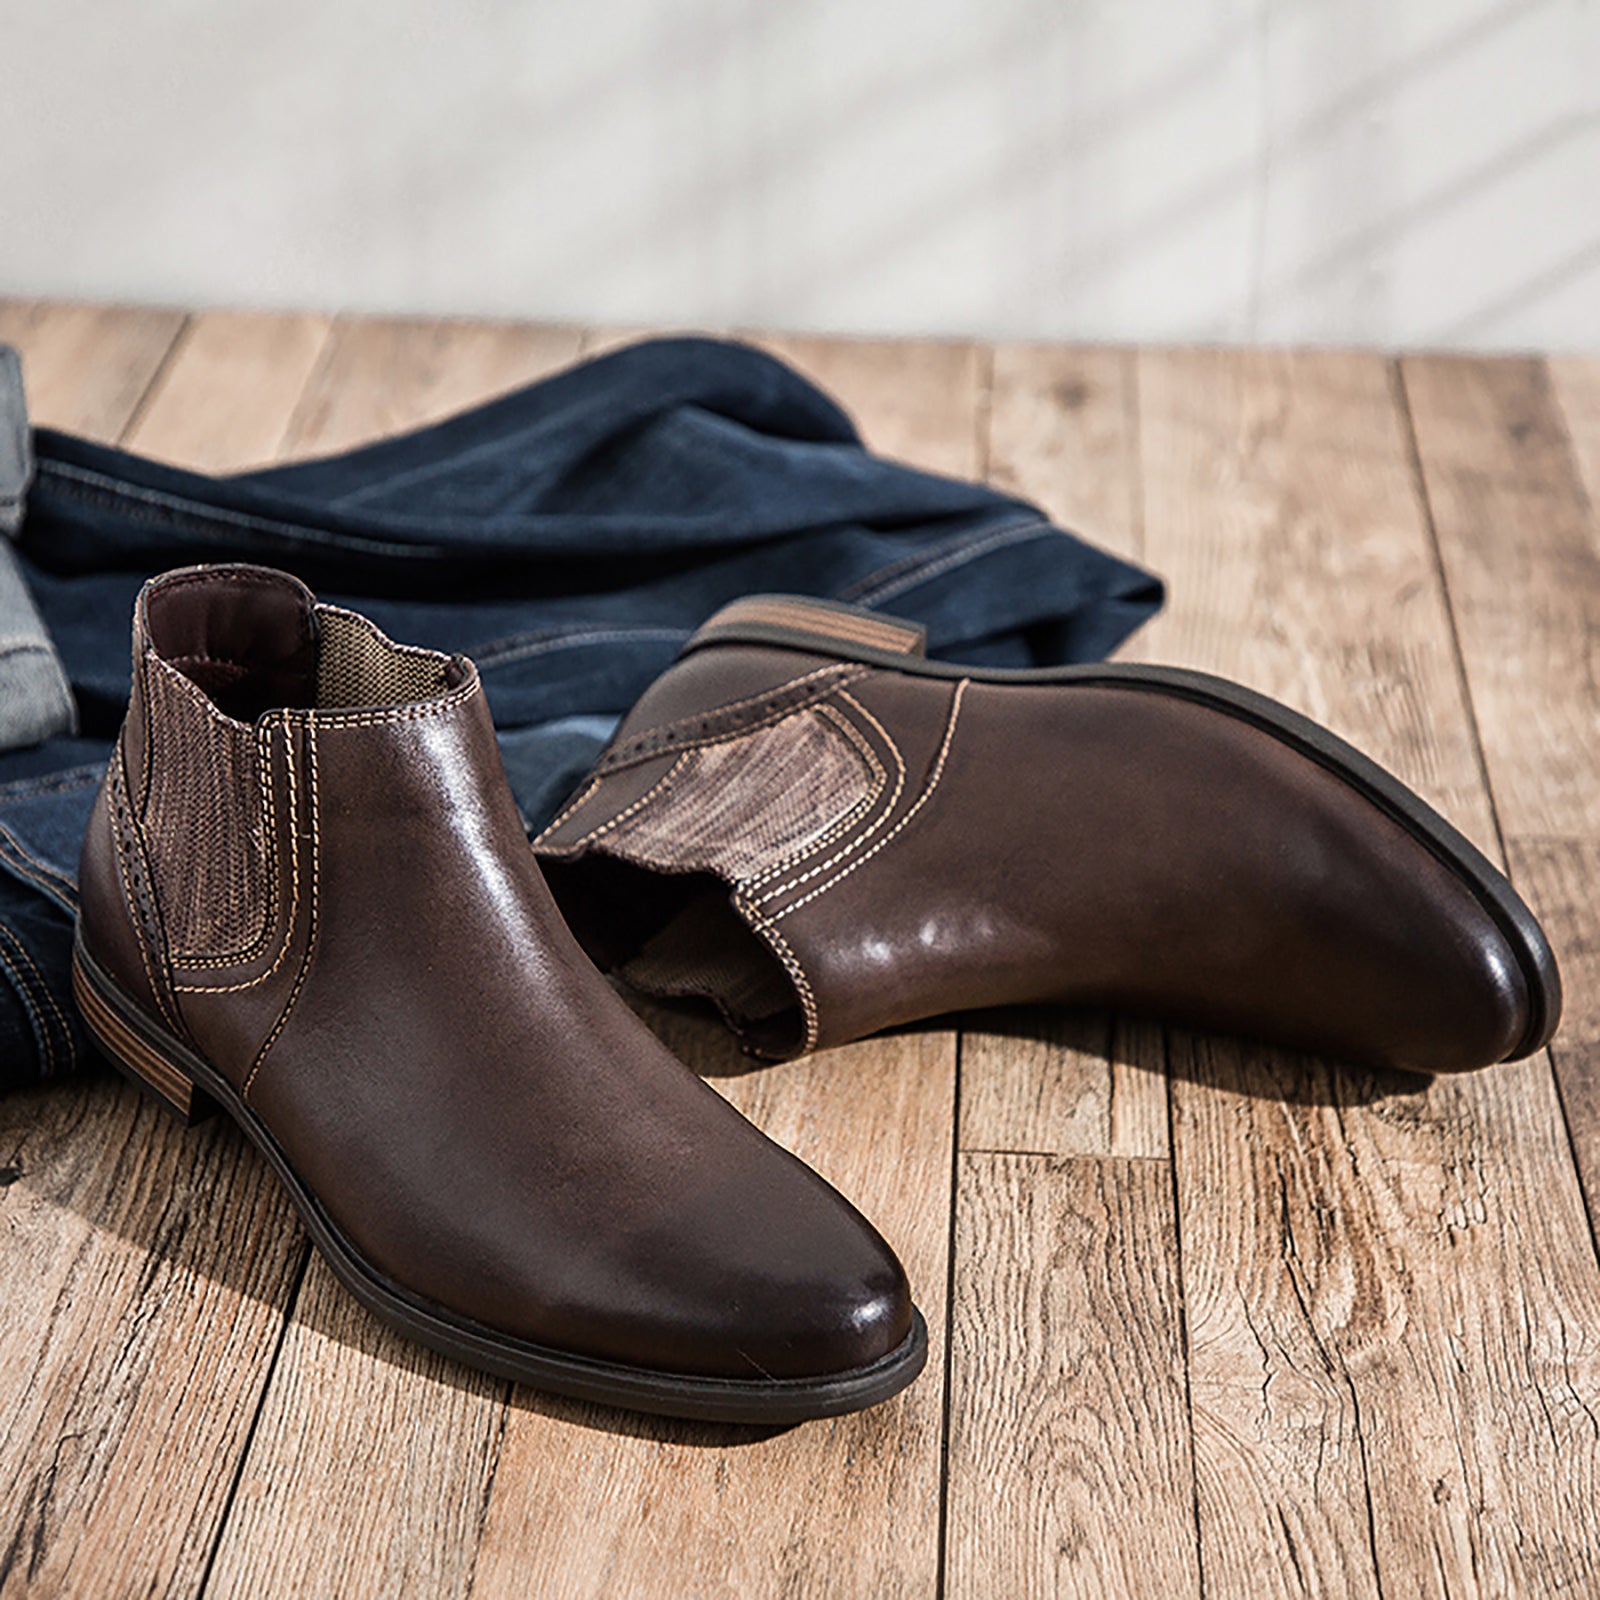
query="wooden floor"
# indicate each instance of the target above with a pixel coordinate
(1206, 1319)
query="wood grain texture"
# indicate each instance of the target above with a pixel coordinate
(86, 368)
(1062, 431)
(1575, 382)
(1520, 550)
(146, 1268)
(229, 393)
(1518, 547)
(1281, 508)
(1070, 1469)
(842, 1508)
(1056, 1082)
(1508, 457)
(368, 1467)
(1377, 1299)
(345, 1389)
(1279, 1438)
(921, 403)
(1392, 1367)
(382, 375)
(589, 1503)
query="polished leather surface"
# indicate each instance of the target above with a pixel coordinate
(1084, 843)
(469, 1100)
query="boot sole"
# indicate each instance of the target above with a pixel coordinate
(821, 635)
(190, 1088)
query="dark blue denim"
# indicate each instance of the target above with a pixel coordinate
(569, 537)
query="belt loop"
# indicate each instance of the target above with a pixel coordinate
(16, 443)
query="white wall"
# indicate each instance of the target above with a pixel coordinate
(1395, 172)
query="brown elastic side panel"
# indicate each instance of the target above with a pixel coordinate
(740, 807)
(652, 892)
(203, 823)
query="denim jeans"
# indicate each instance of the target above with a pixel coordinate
(569, 537)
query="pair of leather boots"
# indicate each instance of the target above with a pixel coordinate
(308, 899)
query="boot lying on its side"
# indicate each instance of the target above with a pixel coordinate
(809, 824)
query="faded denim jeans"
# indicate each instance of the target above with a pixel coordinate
(569, 537)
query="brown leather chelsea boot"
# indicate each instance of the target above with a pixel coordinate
(808, 823)
(307, 898)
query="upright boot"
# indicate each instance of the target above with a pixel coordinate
(810, 824)
(307, 898)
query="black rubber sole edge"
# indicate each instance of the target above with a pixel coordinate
(1489, 886)
(705, 1399)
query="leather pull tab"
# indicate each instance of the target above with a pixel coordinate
(16, 443)
(804, 623)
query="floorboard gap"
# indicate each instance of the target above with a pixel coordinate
(1183, 1319)
(1402, 399)
(291, 1302)
(949, 1324)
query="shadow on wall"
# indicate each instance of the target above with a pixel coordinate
(1250, 169)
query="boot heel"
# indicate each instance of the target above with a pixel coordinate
(803, 623)
(135, 1056)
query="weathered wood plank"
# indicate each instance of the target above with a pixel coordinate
(1279, 1434)
(369, 1465)
(1508, 459)
(1506, 455)
(1070, 1470)
(1391, 1291)
(146, 1268)
(227, 400)
(86, 368)
(848, 1507)
(917, 402)
(1047, 1081)
(1575, 381)
(1281, 510)
(1063, 431)
(1517, 543)
(1391, 1295)
(328, 1502)
(587, 1502)
(382, 375)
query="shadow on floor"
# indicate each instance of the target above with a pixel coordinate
(204, 1202)
(1217, 1061)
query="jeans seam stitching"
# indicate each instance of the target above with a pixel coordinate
(31, 866)
(30, 1005)
(164, 510)
(894, 580)
(53, 783)
(498, 654)
(44, 990)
